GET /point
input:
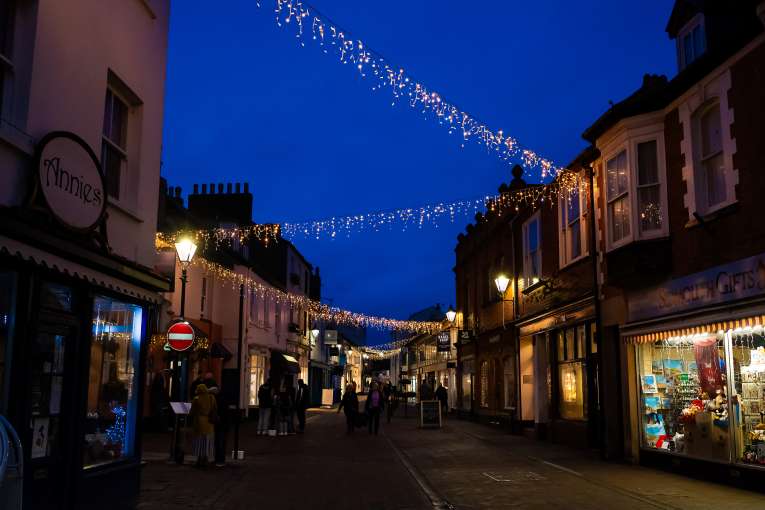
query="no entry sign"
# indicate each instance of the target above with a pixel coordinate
(180, 336)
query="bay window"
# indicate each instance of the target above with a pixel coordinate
(618, 197)
(573, 208)
(532, 254)
(635, 189)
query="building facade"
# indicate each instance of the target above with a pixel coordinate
(80, 143)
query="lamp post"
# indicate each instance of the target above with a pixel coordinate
(502, 281)
(185, 248)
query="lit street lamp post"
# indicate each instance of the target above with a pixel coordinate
(502, 281)
(185, 249)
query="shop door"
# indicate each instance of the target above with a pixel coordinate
(50, 452)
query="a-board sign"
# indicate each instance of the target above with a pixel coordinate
(430, 413)
(181, 407)
(327, 397)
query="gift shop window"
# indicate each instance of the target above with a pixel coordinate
(257, 376)
(467, 384)
(112, 382)
(572, 373)
(703, 395)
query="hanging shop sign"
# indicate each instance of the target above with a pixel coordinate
(70, 181)
(730, 282)
(466, 336)
(330, 337)
(180, 336)
(443, 344)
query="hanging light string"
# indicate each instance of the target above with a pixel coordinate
(567, 184)
(308, 23)
(318, 310)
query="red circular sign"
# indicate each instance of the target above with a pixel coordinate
(180, 336)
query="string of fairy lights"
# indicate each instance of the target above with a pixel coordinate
(319, 311)
(307, 23)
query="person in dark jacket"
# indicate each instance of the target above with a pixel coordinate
(302, 402)
(374, 406)
(443, 397)
(350, 403)
(265, 403)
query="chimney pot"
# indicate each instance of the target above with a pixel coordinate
(246, 187)
(204, 189)
(177, 192)
(212, 187)
(228, 187)
(238, 187)
(196, 189)
(220, 187)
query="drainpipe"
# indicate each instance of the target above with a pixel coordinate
(598, 315)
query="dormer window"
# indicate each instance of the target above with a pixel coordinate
(691, 41)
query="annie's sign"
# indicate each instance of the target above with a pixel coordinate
(738, 280)
(70, 180)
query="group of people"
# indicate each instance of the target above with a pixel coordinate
(278, 408)
(378, 399)
(440, 394)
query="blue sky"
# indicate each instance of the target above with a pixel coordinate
(246, 103)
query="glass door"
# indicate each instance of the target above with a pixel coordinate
(49, 398)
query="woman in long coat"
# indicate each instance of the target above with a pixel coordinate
(350, 403)
(203, 415)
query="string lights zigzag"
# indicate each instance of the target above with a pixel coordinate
(405, 218)
(318, 310)
(308, 23)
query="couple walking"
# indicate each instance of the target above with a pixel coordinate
(277, 409)
(373, 408)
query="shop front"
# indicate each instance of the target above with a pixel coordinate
(558, 363)
(698, 393)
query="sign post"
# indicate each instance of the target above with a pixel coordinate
(180, 338)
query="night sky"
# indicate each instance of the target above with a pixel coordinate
(245, 103)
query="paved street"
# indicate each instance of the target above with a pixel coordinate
(462, 466)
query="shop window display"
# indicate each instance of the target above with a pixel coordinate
(112, 396)
(572, 374)
(704, 395)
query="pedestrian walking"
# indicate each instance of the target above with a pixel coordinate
(443, 397)
(426, 391)
(302, 402)
(349, 403)
(265, 402)
(290, 392)
(374, 406)
(391, 400)
(284, 411)
(204, 415)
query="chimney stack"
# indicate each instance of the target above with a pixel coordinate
(228, 187)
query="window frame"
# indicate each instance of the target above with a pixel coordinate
(528, 278)
(696, 21)
(698, 159)
(107, 143)
(564, 224)
(6, 58)
(628, 140)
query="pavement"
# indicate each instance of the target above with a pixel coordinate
(461, 466)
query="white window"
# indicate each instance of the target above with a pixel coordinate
(532, 253)
(711, 187)
(635, 187)
(114, 143)
(573, 207)
(648, 187)
(617, 184)
(691, 41)
(254, 310)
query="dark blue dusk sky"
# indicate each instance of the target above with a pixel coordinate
(244, 102)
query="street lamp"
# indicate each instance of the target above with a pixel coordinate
(451, 314)
(185, 249)
(502, 281)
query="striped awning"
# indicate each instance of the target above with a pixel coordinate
(711, 328)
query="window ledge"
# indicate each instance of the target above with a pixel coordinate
(16, 138)
(574, 262)
(722, 211)
(124, 209)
